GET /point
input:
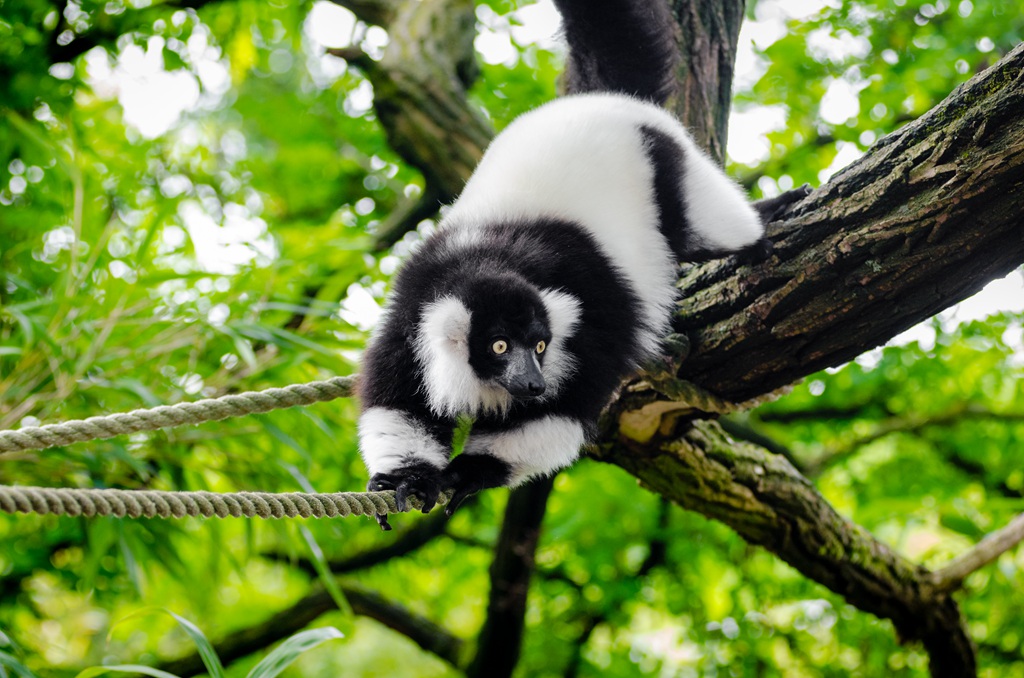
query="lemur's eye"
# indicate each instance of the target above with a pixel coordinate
(541, 346)
(500, 346)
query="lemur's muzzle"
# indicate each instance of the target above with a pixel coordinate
(523, 378)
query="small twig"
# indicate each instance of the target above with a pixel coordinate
(377, 12)
(986, 551)
(913, 424)
(408, 215)
(419, 534)
(354, 55)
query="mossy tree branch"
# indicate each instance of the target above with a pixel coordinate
(766, 500)
(926, 218)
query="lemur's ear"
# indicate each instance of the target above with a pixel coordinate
(563, 311)
(444, 325)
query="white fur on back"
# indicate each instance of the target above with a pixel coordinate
(582, 159)
(389, 439)
(442, 351)
(536, 448)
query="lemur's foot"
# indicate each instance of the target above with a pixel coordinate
(756, 253)
(470, 473)
(418, 479)
(771, 209)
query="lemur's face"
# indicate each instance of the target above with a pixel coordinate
(508, 338)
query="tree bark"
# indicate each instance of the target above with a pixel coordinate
(708, 35)
(420, 91)
(925, 219)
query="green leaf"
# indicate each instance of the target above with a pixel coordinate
(323, 571)
(206, 651)
(7, 661)
(288, 651)
(124, 668)
(962, 525)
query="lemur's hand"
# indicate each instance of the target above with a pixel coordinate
(470, 473)
(417, 479)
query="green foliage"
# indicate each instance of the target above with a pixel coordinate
(145, 268)
(276, 662)
(899, 57)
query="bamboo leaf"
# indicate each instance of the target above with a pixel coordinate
(288, 651)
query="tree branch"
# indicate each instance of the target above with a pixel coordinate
(106, 34)
(929, 216)
(871, 409)
(709, 32)
(986, 551)
(407, 216)
(421, 533)
(911, 424)
(976, 470)
(376, 12)
(767, 501)
(420, 92)
(502, 633)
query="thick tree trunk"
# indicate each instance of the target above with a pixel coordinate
(501, 637)
(708, 34)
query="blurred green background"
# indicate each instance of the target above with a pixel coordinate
(188, 192)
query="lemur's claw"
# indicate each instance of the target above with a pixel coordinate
(382, 520)
(418, 479)
(459, 496)
(470, 473)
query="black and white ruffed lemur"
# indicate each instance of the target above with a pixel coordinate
(552, 277)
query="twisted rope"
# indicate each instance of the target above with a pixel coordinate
(169, 416)
(156, 504)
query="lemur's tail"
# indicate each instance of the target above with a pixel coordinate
(626, 46)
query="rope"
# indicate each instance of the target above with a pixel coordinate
(169, 416)
(156, 504)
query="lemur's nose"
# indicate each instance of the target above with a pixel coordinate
(536, 388)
